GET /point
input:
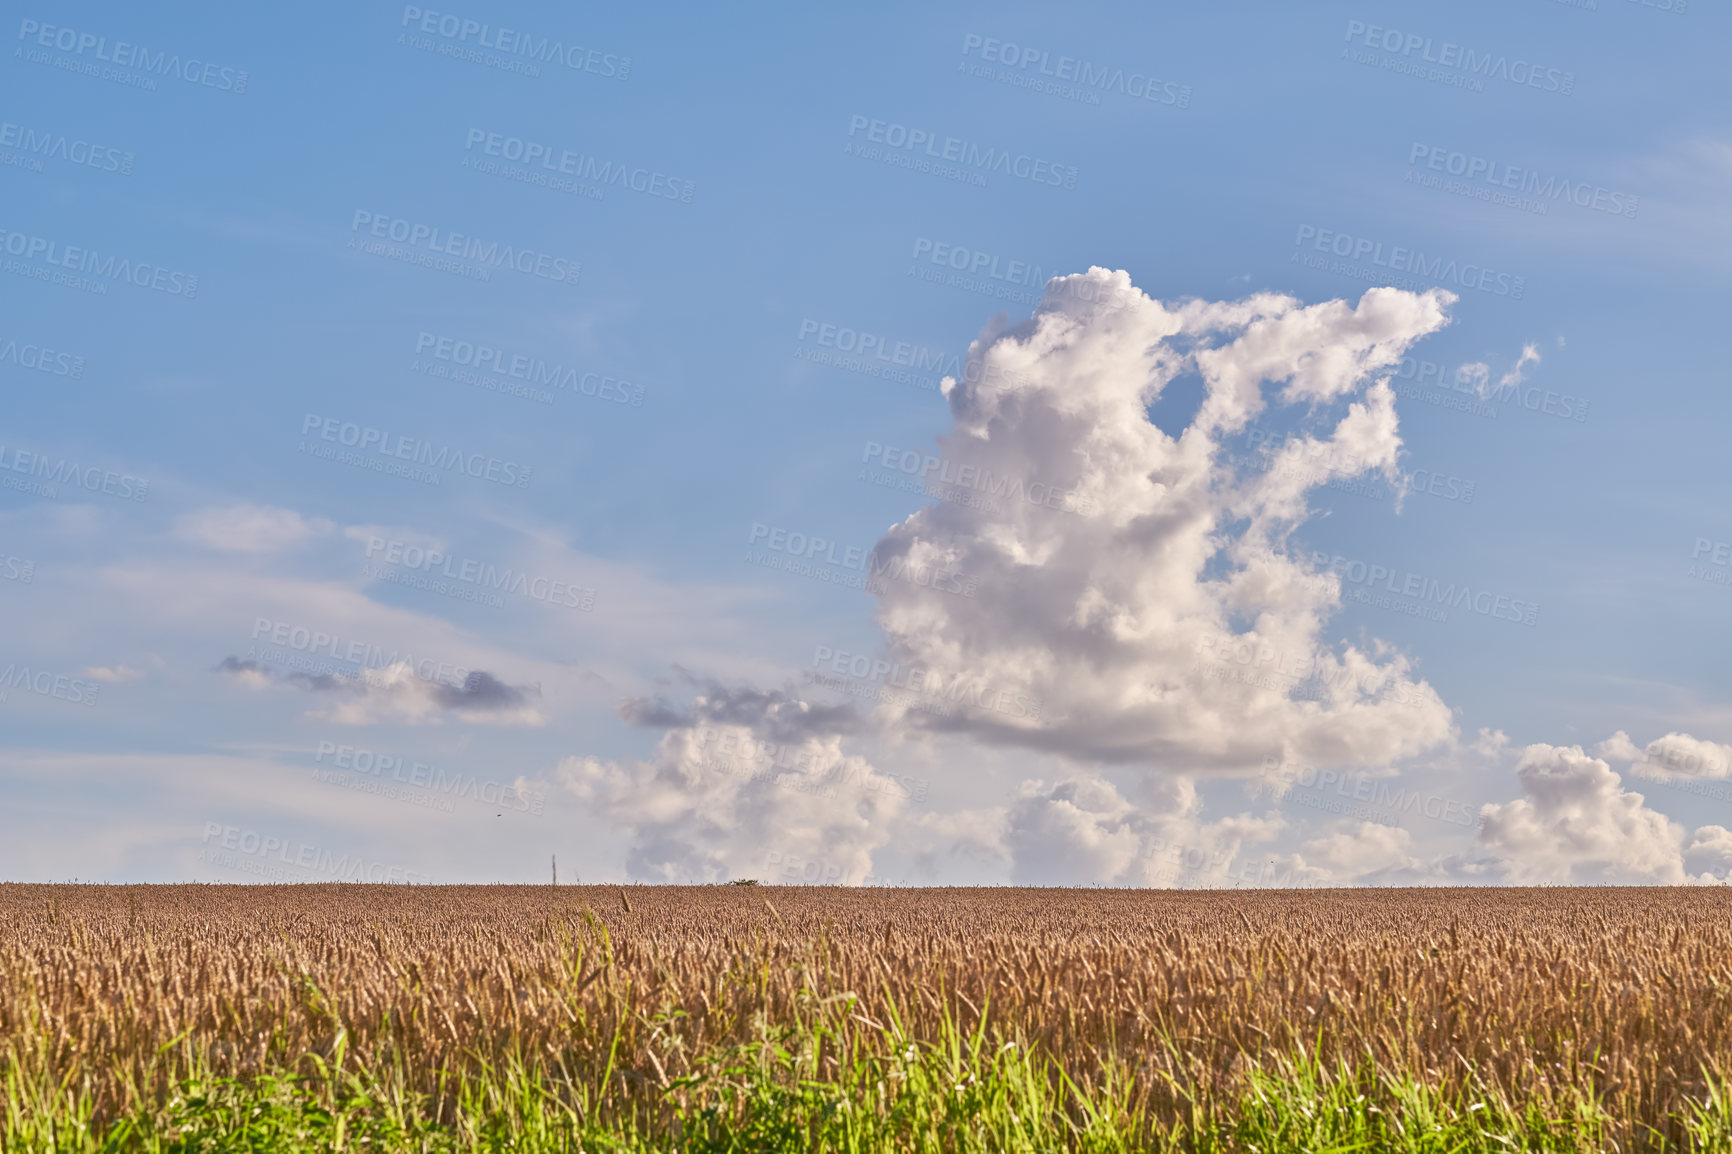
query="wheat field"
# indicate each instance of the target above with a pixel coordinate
(626, 1005)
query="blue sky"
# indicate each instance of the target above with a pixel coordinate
(1560, 168)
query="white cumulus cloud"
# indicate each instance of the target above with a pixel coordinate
(1576, 824)
(1672, 757)
(1082, 830)
(1119, 610)
(744, 784)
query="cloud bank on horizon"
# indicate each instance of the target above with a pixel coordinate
(1114, 613)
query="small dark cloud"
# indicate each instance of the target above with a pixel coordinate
(481, 691)
(777, 714)
(657, 714)
(317, 683)
(313, 683)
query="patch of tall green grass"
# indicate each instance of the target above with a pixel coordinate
(831, 1080)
